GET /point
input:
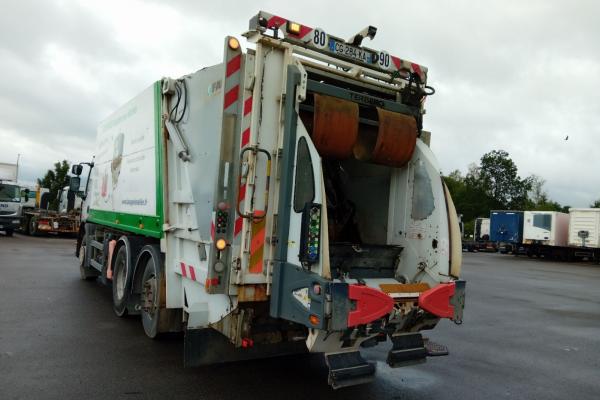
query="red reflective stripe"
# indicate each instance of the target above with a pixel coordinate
(245, 137)
(304, 30)
(397, 62)
(242, 195)
(183, 270)
(192, 273)
(247, 105)
(275, 22)
(417, 69)
(239, 222)
(437, 300)
(212, 230)
(231, 96)
(233, 65)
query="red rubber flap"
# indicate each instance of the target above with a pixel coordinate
(437, 300)
(370, 304)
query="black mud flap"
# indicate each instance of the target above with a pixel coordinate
(407, 349)
(207, 347)
(348, 369)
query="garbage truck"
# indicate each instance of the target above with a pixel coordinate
(282, 201)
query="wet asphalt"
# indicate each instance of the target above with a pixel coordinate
(531, 331)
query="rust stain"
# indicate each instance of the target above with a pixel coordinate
(257, 292)
(396, 139)
(335, 126)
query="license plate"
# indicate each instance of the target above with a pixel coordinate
(349, 51)
(55, 225)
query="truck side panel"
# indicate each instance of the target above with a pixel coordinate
(123, 194)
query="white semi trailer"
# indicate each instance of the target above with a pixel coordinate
(280, 201)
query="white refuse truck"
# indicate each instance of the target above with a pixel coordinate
(10, 199)
(284, 200)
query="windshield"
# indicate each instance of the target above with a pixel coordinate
(10, 193)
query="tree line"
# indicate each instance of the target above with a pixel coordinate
(495, 184)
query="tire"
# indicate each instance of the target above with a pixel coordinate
(150, 297)
(121, 282)
(9, 232)
(86, 273)
(27, 226)
(33, 229)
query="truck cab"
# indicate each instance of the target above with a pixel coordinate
(10, 207)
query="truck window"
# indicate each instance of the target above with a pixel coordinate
(304, 184)
(542, 221)
(10, 193)
(422, 200)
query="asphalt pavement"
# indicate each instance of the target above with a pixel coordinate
(531, 331)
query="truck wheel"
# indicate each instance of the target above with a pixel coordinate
(150, 298)
(33, 229)
(87, 273)
(121, 282)
(26, 227)
(9, 232)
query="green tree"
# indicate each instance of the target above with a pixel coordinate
(55, 179)
(499, 179)
(595, 204)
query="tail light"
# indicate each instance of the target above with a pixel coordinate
(310, 243)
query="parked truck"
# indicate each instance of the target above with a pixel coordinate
(481, 237)
(39, 219)
(560, 236)
(506, 230)
(280, 201)
(10, 199)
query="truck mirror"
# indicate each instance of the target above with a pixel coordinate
(77, 169)
(74, 183)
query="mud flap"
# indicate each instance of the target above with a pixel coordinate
(407, 349)
(207, 347)
(348, 369)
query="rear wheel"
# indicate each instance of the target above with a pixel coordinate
(151, 285)
(33, 226)
(9, 232)
(121, 282)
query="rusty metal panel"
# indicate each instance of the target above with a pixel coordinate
(335, 126)
(256, 292)
(396, 139)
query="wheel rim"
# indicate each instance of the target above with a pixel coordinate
(150, 296)
(120, 278)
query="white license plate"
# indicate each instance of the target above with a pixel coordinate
(349, 51)
(55, 224)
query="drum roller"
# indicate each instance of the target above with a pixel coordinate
(338, 132)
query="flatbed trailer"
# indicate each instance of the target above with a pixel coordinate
(559, 253)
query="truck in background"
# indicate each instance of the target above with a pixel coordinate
(281, 201)
(560, 236)
(481, 237)
(10, 199)
(506, 229)
(38, 219)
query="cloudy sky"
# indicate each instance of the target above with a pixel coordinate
(512, 75)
